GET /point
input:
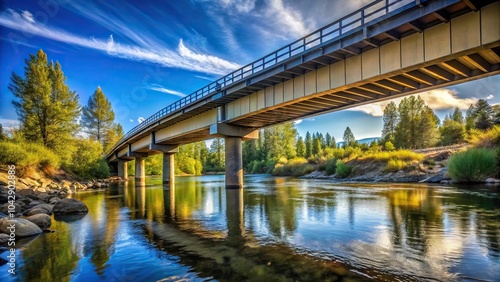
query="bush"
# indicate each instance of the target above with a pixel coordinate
(294, 167)
(396, 165)
(87, 159)
(343, 170)
(403, 155)
(473, 165)
(99, 169)
(331, 166)
(27, 154)
(488, 139)
(388, 146)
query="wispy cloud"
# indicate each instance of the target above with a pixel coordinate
(140, 119)
(438, 99)
(183, 57)
(490, 97)
(159, 88)
(131, 120)
(299, 121)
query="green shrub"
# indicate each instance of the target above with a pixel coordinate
(331, 166)
(473, 165)
(27, 154)
(99, 169)
(403, 155)
(87, 159)
(294, 167)
(388, 146)
(489, 138)
(343, 170)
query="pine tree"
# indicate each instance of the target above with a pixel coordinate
(2, 135)
(301, 147)
(333, 143)
(98, 117)
(112, 136)
(46, 107)
(328, 140)
(483, 115)
(316, 149)
(457, 116)
(469, 118)
(390, 121)
(309, 145)
(349, 139)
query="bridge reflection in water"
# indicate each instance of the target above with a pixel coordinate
(274, 229)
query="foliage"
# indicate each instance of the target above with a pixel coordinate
(331, 166)
(452, 132)
(349, 138)
(98, 117)
(390, 121)
(483, 115)
(489, 138)
(343, 170)
(388, 146)
(294, 167)
(27, 154)
(309, 145)
(87, 160)
(2, 135)
(46, 107)
(301, 147)
(394, 165)
(473, 165)
(404, 155)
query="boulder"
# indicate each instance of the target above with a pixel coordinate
(5, 208)
(26, 192)
(41, 220)
(65, 184)
(39, 209)
(69, 206)
(23, 227)
(4, 238)
(492, 180)
(54, 200)
(43, 196)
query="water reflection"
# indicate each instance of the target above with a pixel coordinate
(274, 229)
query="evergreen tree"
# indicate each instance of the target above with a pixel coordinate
(349, 139)
(113, 134)
(333, 143)
(496, 119)
(2, 135)
(428, 128)
(46, 107)
(410, 110)
(98, 117)
(250, 152)
(483, 115)
(457, 116)
(390, 121)
(316, 149)
(452, 132)
(328, 140)
(309, 145)
(217, 153)
(469, 118)
(301, 147)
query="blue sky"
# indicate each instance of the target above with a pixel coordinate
(146, 55)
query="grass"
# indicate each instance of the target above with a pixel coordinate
(27, 154)
(401, 155)
(488, 139)
(473, 165)
(394, 165)
(294, 167)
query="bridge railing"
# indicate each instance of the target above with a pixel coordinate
(332, 31)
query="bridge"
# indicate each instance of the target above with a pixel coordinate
(387, 49)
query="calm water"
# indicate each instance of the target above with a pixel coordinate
(276, 229)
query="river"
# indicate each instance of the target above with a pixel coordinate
(275, 229)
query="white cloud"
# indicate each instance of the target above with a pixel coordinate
(131, 120)
(183, 57)
(159, 88)
(140, 119)
(289, 21)
(28, 16)
(490, 97)
(299, 121)
(437, 99)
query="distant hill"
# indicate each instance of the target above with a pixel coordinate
(362, 141)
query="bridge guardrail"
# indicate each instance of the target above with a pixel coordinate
(327, 33)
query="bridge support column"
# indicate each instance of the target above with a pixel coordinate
(140, 171)
(122, 169)
(234, 163)
(168, 168)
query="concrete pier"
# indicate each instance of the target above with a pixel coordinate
(168, 168)
(234, 163)
(123, 169)
(140, 171)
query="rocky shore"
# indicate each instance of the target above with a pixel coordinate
(36, 198)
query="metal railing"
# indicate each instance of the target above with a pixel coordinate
(328, 33)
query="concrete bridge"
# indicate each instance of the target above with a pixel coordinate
(387, 49)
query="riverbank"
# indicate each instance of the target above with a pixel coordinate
(432, 169)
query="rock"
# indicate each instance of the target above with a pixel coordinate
(39, 209)
(69, 217)
(5, 208)
(68, 206)
(44, 183)
(41, 220)
(54, 200)
(26, 192)
(23, 227)
(90, 185)
(65, 184)
(492, 180)
(43, 196)
(41, 190)
(34, 204)
(4, 238)
(445, 182)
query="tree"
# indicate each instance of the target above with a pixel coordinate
(316, 149)
(333, 143)
(457, 116)
(301, 147)
(2, 135)
(309, 145)
(349, 139)
(469, 118)
(428, 128)
(98, 117)
(328, 140)
(113, 134)
(483, 115)
(452, 132)
(46, 107)
(217, 153)
(496, 119)
(390, 121)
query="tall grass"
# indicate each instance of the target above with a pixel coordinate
(489, 138)
(294, 167)
(27, 154)
(402, 155)
(473, 165)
